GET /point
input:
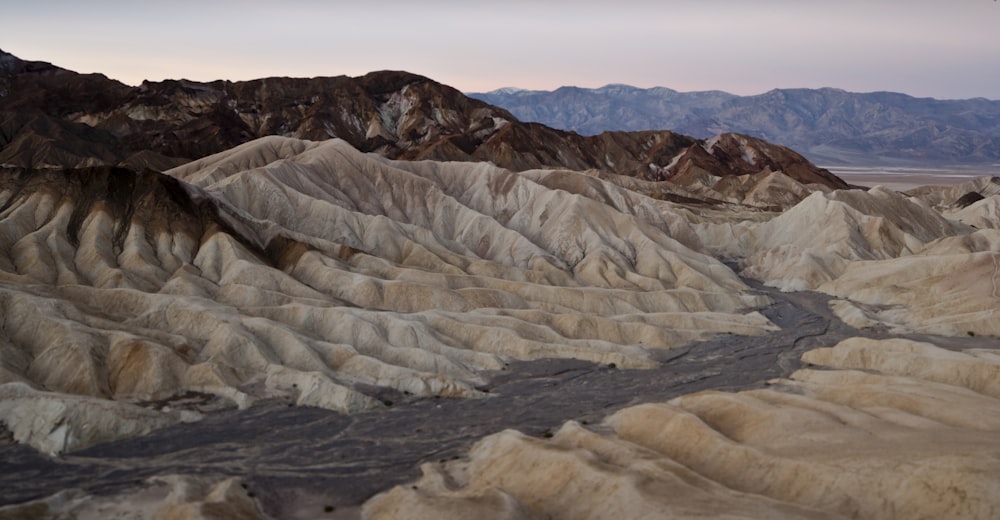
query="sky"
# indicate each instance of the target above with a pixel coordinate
(947, 49)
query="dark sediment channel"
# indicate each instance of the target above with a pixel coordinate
(301, 460)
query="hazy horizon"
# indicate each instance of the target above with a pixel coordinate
(923, 48)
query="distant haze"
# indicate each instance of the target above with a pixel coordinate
(932, 48)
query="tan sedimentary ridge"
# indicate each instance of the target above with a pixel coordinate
(913, 437)
(898, 261)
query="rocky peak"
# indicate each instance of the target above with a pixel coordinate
(744, 155)
(11, 65)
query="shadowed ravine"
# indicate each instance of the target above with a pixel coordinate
(297, 460)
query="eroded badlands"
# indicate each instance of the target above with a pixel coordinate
(310, 273)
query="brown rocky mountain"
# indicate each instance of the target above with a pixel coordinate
(52, 117)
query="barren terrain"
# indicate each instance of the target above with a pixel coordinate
(372, 297)
(515, 341)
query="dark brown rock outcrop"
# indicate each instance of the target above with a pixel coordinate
(159, 202)
(968, 199)
(738, 154)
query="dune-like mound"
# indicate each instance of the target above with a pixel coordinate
(892, 260)
(817, 239)
(951, 288)
(56, 423)
(951, 196)
(983, 213)
(886, 429)
(314, 273)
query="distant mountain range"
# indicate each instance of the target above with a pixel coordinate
(828, 126)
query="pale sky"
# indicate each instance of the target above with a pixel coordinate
(928, 48)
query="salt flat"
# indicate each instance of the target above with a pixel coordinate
(903, 178)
